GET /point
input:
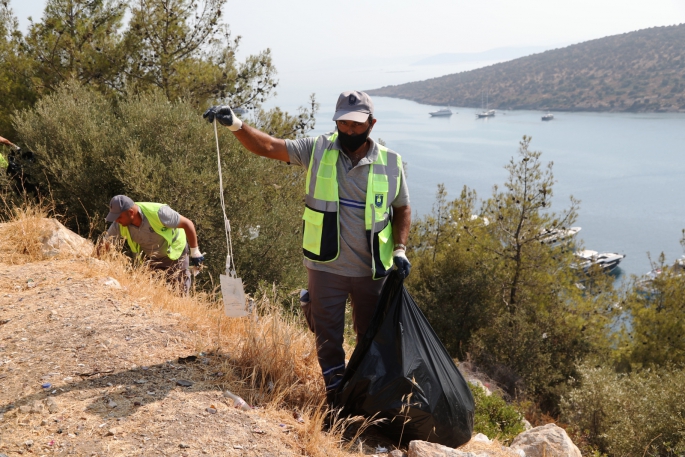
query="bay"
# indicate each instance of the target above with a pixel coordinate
(627, 169)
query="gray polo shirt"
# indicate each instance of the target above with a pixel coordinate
(151, 243)
(355, 256)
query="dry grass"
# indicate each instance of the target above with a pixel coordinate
(269, 360)
(22, 234)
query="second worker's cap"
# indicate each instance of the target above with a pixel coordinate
(117, 205)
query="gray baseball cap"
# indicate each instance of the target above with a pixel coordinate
(353, 106)
(117, 205)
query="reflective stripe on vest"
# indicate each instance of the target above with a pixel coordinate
(175, 237)
(321, 227)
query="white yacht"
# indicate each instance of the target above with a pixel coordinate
(556, 236)
(442, 112)
(486, 113)
(607, 261)
(547, 117)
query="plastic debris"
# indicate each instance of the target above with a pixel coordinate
(47, 385)
(237, 401)
(184, 383)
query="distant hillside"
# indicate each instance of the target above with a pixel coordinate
(636, 71)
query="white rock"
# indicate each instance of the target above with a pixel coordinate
(59, 241)
(111, 282)
(480, 384)
(546, 441)
(424, 449)
(481, 438)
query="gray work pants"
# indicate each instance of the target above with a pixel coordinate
(328, 293)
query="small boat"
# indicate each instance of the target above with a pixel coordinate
(557, 236)
(548, 117)
(644, 284)
(442, 112)
(484, 106)
(607, 261)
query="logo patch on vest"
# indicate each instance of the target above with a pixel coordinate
(352, 99)
(379, 200)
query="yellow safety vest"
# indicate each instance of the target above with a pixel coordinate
(175, 237)
(321, 224)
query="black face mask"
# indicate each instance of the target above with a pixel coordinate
(351, 143)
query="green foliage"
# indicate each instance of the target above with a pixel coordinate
(79, 40)
(494, 417)
(125, 47)
(452, 281)
(16, 86)
(640, 413)
(497, 293)
(653, 334)
(89, 149)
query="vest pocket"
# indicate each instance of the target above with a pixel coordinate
(313, 229)
(320, 240)
(382, 250)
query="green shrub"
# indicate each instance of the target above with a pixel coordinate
(640, 413)
(89, 149)
(494, 417)
(496, 292)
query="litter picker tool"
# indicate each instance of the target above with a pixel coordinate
(231, 285)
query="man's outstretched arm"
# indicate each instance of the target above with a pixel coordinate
(253, 139)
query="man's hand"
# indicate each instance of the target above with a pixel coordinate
(196, 257)
(401, 262)
(225, 116)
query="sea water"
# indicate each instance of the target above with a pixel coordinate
(628, 170)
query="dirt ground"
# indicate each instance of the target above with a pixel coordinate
(86, 371)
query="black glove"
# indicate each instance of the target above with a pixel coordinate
(401, 262)
(224, 115)
(197, 261)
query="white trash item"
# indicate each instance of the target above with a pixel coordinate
(237, 401)
(234, 296)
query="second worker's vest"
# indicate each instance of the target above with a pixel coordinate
(321, 225)
(175, 237)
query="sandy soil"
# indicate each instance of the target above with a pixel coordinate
(84, 370)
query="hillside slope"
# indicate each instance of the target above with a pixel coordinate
(641, 71)
(111, 363)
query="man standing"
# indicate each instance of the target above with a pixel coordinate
(160, 233)
(356, 219)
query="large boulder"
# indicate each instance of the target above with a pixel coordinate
(59, 241)
(546, 441)
(474, 448)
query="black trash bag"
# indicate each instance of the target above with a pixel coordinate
(401, 372)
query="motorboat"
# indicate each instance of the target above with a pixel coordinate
(442, 112)
(486, 113)
(547, 117)
(557, 236)
(645, 283)
(607, 261)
